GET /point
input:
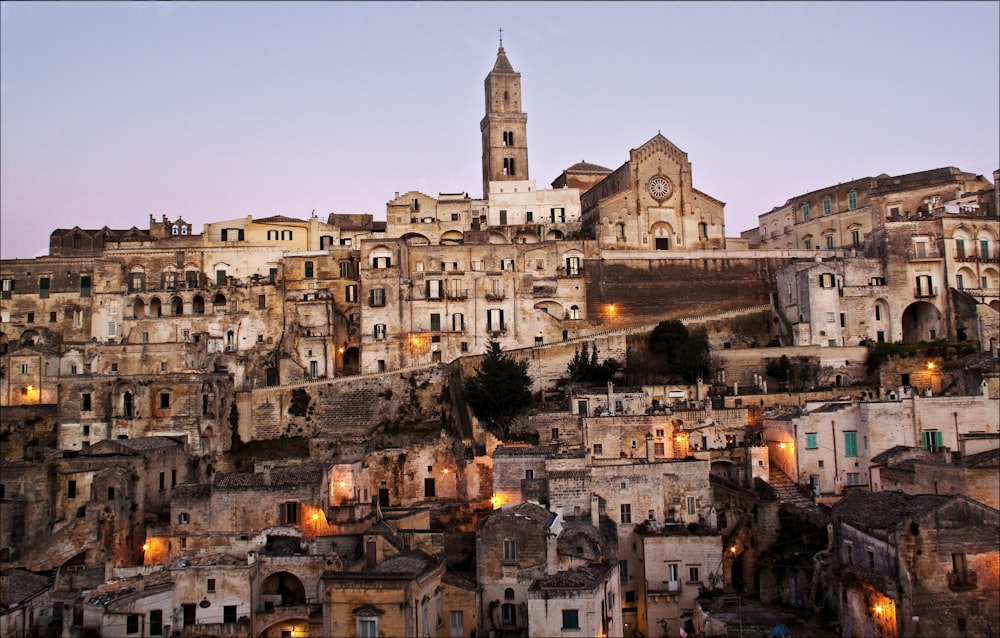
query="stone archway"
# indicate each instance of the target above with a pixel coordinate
(921, 322)
(282, 589)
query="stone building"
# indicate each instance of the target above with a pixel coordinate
(830, 446)
(650, 203)
(678, 563)
(580, 601)
(922, 565)
(920, 471)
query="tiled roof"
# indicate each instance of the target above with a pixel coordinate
(502, 64)
(288, 476)
(989, 458)
(580, 578)
(103, 594)
(149, 443)
(280, 219)
(883, 510)
(525, 450)
(587, 167)
(411, 564)
(18, 585)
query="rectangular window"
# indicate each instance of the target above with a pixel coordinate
(367, 628)
(811, 441)
(435, 321)
(933, 440)
(434, 289)
(457, 625)
(851, 443)
(852, 200)
(626, 513)
(659, 449)
(878, 313)
(52, 317)
(572, 266)
(509, 551)
(290, 513)
(229, 614)
(29, 318)
(856, 238)
(853, 478)
(693, 575)
(376, 297)
(43, 287)
(163, 481)
(309, 270)
(71, 489)
(830, 317)
(503, 218)
(132, 624)
(210, 585)
(261, 302)
(351, 293)
(458, 322)
(691, 506)
(85, 402)
(112, 329)
(829, 241)
(381, 262)
(570, 619)
(673, 572)
(984, 249)
(598, 448)
(155, 622)
(164, 400)
(379, 332)
(494, 320)
(7, 288)
(805, 212)
(827, 207)
(507, 264)
(843, 320)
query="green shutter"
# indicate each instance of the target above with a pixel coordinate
(850, 443)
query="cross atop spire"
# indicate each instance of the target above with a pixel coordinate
(501, 36)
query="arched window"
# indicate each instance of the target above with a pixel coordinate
(174, 230)
(184, 230)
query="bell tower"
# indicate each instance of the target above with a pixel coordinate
(504, 129)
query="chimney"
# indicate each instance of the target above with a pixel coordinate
(650, 457)
(595, 510)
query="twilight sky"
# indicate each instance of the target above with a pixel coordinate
(110, 112)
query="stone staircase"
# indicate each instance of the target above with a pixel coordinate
(788, 491)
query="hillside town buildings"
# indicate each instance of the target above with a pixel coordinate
(260, 429)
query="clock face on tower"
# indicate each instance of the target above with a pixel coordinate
(659, 187)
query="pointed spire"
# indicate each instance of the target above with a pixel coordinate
(502, 64)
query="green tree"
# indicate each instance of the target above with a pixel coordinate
(677, 353)
(584, 367)
(500, 390)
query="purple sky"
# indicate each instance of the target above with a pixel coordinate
(211, 111)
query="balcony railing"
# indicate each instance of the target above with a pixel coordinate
(930, 291)
(959, 581)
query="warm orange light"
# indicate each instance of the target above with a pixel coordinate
(679, 438)
(315, 516)
(878, 609)
(341, 351)
(496, 501)
(930, 365)
(445, 471)
(145, 547)
(782, 446)
(30, 388)
(343, 484)
(732, 549)
(611, 309)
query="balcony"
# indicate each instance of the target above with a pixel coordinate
(496, 295)
(930, 291)
(458, 295)
(962, 581)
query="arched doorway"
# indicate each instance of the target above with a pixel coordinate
(138, 309)
(921, 322)
(282, 589)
